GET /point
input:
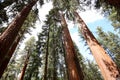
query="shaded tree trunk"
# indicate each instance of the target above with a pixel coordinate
(9, 35)
(115, 3)
(107, 66)
(54, 66)
(46, 59)
(54, 56)
(25, 66)
(5, 62)
(74, 70)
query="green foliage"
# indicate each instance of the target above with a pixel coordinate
(34, 61)
(92, 71)
(68, 7)
(115, 18)
(9, 9)
(50, 41)
(111, 42)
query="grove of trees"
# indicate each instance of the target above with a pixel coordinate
(54, 55)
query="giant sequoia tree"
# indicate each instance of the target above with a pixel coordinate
(75, 71)
(52, 42)
(8, 36)
(29, 22)
(106, 64)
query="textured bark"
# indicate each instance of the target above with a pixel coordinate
(107, 66)
(9, 35)
(74, 70)
(5, 62)
(25, 66)
(65, 68)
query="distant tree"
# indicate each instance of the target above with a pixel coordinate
(32, 61)
(25, 66)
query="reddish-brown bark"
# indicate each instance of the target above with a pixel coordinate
(107, 66)
(74, 70)
(24, 68)
(9, 35)
(5, 62)
(115, 3)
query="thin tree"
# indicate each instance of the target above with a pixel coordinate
(25, 66)
(107, 66)
(46, 56)
(29, 49)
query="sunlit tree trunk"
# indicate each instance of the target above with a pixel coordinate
(74, 70)
(9, 35)
(66, 75)
(5, 62)
(25, 66)
(107, 66)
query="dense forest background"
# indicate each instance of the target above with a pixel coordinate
(52, 54)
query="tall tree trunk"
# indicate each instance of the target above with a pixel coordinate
(25, 66)
(46, 59)
(107, 66)
(9, 35)
(74, 70)
(5, 62)
(54, 66)
(54, 56)
(66, 75)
